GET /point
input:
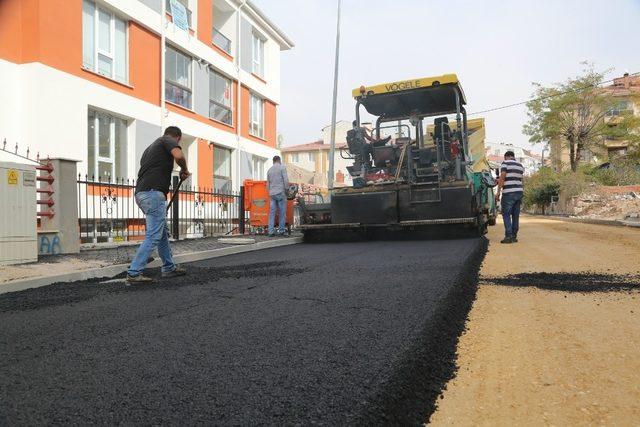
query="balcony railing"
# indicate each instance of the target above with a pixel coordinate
(221, 41)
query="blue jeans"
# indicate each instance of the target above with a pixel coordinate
(279, 203)
(511, 213)
(154, 205)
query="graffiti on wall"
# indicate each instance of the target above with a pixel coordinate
(49, 245)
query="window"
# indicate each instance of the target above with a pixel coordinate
(311, 156)
(623, 107)
(104, 42)
(221, 169)
(185, 3)
(178, 78)
(294, 157)
(107, 147)
(617, 152)
(220, 98)
(258, 164)
(221, 41)
(256, 116)
(257, 66)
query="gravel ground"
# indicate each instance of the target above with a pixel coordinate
(554, 333)
(329, 333)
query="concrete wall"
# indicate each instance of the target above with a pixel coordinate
(60, 234)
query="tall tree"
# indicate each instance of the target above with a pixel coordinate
(572, 114)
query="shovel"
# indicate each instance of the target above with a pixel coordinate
(174, 194)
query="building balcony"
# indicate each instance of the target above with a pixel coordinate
(615, 143)
(221, 41)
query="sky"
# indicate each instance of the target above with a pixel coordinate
(496, 47)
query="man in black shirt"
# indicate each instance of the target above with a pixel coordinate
(154, 179)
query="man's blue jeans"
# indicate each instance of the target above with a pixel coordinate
(278, 203)
(154, 205)
(511, 213)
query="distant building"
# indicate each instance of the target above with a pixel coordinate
(529, 160)
(625, 88)
(310, 161)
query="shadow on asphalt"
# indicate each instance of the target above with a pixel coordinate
(569, 282)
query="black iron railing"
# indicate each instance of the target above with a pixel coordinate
(107, 212)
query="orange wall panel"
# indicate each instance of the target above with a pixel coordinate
(60, 37)
(205, 164)
(50, 32)
(144, 63)
(11, 31)
(270, 131)
(244, 111)
(205, 21)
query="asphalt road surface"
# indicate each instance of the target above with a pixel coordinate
(350, 333)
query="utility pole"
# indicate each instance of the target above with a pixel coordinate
(332, 150)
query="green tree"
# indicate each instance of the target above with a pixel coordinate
(540, 188)
(572, 114)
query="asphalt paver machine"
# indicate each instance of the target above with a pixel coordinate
(411, 181)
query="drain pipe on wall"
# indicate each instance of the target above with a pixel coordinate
(239, 91)
(163, 13)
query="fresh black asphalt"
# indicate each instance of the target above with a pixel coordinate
(350, 333)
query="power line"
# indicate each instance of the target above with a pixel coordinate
(545, 97)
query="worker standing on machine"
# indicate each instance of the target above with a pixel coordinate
(510, 184)
(277, 184)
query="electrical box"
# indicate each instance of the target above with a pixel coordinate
(18, 210)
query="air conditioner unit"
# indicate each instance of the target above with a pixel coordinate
(18, 207)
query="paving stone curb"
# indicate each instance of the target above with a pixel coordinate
(113, 270)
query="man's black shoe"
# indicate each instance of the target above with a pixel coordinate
(508, 239)
(515, 238)
(179, 271)
(139, 280)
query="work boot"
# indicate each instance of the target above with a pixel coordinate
(507, 239)
(178, 271)
(139, 280)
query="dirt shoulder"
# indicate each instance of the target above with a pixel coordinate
(536, 355)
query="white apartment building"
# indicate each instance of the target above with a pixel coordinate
(314, 157)
(83, 79)
(529, 160)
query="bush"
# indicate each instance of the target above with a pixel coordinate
(619, 172)
(540, 188)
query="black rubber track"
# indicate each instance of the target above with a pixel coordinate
(355, 333)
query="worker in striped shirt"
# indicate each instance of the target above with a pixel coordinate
(510, 185)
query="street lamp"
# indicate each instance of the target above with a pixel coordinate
(332, 150)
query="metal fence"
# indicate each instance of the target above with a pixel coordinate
(107, 212)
